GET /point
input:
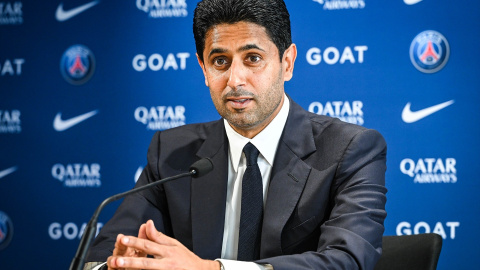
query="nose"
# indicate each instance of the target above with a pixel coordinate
(237, 74)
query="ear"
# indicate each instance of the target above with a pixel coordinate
(202, 66)
(288, 62)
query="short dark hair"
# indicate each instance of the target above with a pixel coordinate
(271, 14)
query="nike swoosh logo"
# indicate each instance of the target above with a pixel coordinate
(61, 125)
(63, 15)
(412, 2)
(7, 171)
(410, 117)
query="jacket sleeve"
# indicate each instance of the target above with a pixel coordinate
(351, 237)
(135, 210)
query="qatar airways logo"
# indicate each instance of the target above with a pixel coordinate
(10, 121)
(77, 175)
(156, 62)
(161, 117)
(333, 55)
(163, 8)
(350, 112)
(11, 13)
(341, 4)
(430, 170)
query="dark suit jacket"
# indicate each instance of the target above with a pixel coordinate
(325, 206)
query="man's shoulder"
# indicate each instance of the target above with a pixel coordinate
(321, 121)
(323, 130)
(196, 130)
(190, 138)
(182, 143)
(336, 131)
(322, 125)
(325, 126)
(334, 124)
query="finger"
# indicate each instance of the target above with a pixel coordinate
(126, 251)
(157, 236)
(140, 263)
(111, 263)
(120, 249)
(142, 233)
(144, 245)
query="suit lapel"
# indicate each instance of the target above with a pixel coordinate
(288, 178)
(209, 196)
(289, 175)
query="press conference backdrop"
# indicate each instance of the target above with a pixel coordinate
(84, 84)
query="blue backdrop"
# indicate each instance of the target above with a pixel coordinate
(85, 84)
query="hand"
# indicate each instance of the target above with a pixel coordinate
(125, 251)
(167, 253)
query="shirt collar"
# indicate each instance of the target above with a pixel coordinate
(266, 141)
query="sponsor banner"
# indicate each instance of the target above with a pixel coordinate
(430, 170)
(6, 230)
(412, 2)
(11, 13)
(63, 14)
(60, 124)
(77, 64)
(163, 8)
(429, 51)
(69, 230)
(447, 230)
(409, 116)
(11, 67)
(386, 66)
(161, 117)
(5, 172)
(350, 112)
(77, 175)
(333, 55)
(156, 62)
(10, 121)
(341, 4)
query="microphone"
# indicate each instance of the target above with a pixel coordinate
(199, 168)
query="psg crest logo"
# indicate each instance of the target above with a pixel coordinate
(429, 51)
(77, 64)
(6, 230)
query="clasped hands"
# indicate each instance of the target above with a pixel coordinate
(131, 252)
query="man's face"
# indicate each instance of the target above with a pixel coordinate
(242, 68)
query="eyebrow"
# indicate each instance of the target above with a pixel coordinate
(216, 50)
(241, 49)
(249, 47)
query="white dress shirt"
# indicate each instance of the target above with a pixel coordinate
(266, 142)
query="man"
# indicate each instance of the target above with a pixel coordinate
(322, 191)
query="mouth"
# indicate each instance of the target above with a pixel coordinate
(239, 102)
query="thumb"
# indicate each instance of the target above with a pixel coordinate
(154, 235)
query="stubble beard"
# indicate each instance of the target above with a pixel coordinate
(263, 109)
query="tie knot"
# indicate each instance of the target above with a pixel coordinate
(251, 153)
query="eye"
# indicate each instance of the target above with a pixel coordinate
(253, 58)
(219, 61)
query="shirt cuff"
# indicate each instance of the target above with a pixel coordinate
(240, 265)
(94, 265)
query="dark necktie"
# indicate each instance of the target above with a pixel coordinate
(252, 208)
